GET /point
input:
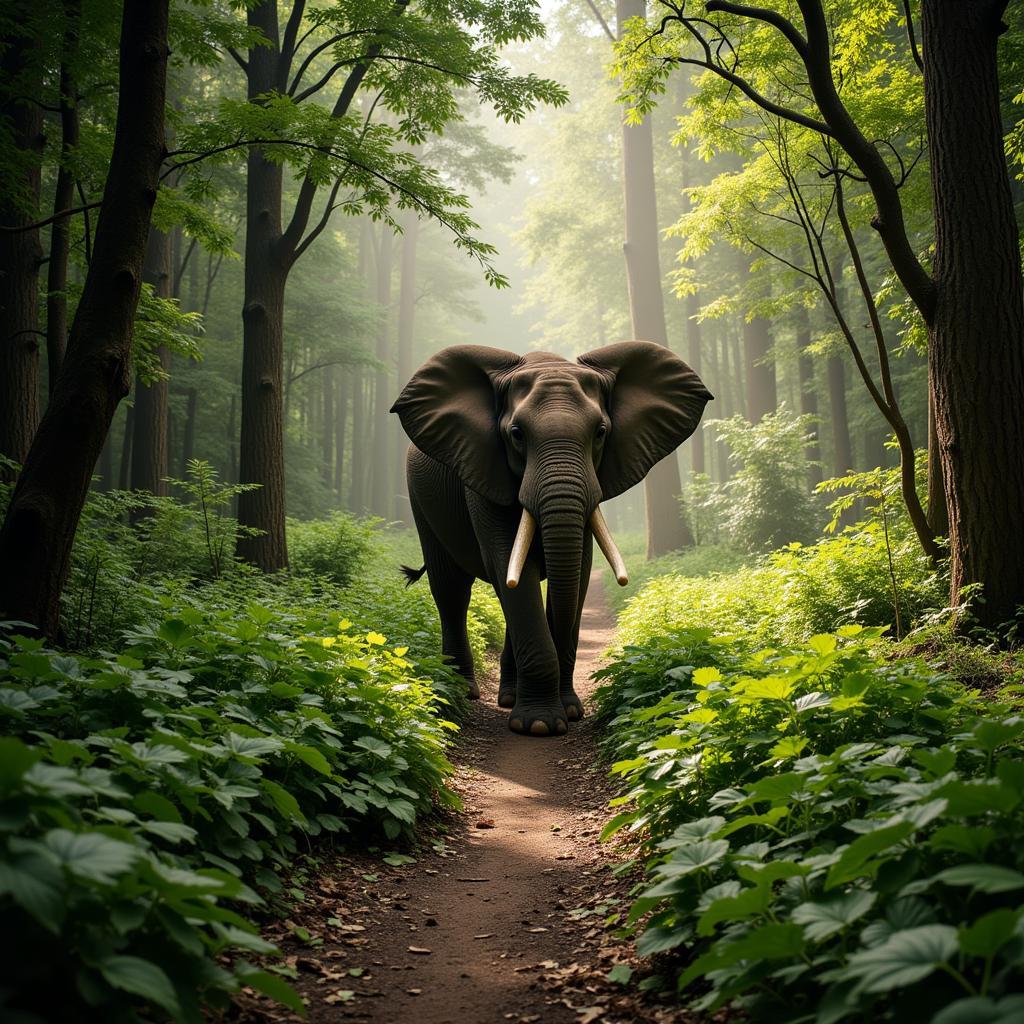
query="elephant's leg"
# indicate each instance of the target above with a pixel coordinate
(507, 684)
(538, 708)
(451, 588)
(567, 657)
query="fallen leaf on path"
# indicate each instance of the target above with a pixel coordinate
(414, 991)
(485, 935)
(485, 823)
(343, 995)
(589, 1014)
(538, 929)
(418, 949)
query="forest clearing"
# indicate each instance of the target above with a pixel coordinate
(511, 511)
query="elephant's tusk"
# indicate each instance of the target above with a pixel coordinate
(524, 537)
(603, 536)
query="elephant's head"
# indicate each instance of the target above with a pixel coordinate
(556, 437)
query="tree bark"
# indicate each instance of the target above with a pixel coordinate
(938, 513)
(406, 337)
(261, 447)
(39, 529)
(808, 394)
(149, 433)
(976, 350)
(693, 339)
(63, 199)
(340, 413)
(381, 496)
(21, 252)
(842, 448)
(759, 370)
(666, 529)
(327, 426)
(357, 491)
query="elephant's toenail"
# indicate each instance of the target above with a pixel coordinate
(561, 727)
(516, 725)
(572, 713)
(540, 728)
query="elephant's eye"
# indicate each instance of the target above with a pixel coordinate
(516, 433)
(602, 429)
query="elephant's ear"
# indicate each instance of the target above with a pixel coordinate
(655, 403)
(449, 411)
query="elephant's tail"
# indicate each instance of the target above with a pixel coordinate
(412, 575)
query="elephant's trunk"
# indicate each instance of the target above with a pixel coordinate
(566, 496)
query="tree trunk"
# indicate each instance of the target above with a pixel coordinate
(327, 426)
(39, 530)
(842, 449)
(261, 442)
(938, 513)
(808, 394)
(340, 413)
(63, 199)
(357, 492)
(693, 349)
(381, 500)
(976, 350)
(406, 336)
(666, 529)
(759, 370)
(125, 465)
(149, 434)
(21, 252)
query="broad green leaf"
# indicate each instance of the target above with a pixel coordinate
(283, 801)
(989, 933)
(982, 1010)
(822, 920)
(769, 942)
(693, 857)
(853, 860)
(15, 760)
(990, 878)
(36, 884)
(620, 974)
(978, 797)
(822, 643)
(91, 855)
(141, 978)
(373, 745)
(905, 958)
(752, 901)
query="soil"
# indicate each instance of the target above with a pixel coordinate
(510, 916)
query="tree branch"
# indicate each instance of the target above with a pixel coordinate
(287, 52)
(238, 58)
(600, 20)
(317, 230)
(912, 36)
(9, 229)
(773, 18)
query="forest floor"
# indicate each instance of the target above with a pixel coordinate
(504, 916)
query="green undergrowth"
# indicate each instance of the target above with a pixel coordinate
(793, 593)
(152, 799)
(829, 834)
(203, 728)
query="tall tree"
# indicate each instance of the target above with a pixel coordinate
(21, 116)
(406, 333)
(149, 429)
(666, 529)
(41, 521)
(381, 497)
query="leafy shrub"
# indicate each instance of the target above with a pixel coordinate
(144, 792)
(334, 548)
(703, 560)
(795, 592)
(766, 504)
(829, 836)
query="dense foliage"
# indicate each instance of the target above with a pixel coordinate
(153, 799)
(829, 835)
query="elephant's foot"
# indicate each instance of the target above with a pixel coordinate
(472, 690)
(506, 694)
(572, 704)
(538, 719)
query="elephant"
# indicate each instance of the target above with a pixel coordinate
(502, 443)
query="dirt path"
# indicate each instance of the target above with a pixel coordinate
(505, 920)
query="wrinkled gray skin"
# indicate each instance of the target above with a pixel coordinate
(494, 433)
